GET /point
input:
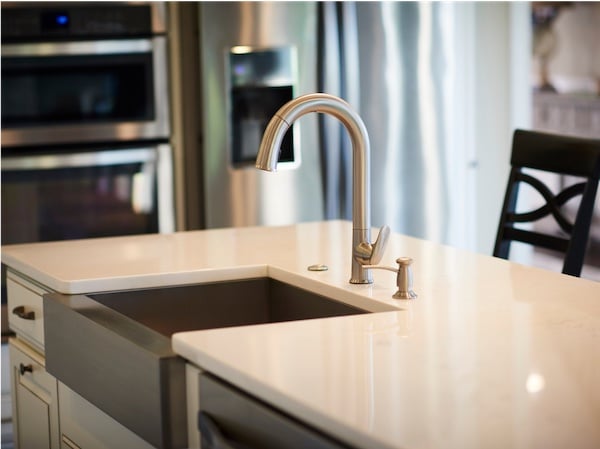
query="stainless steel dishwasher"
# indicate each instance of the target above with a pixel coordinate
(231, 419)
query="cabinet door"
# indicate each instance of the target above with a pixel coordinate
(35, 404)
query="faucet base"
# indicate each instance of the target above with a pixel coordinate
(361, 281)
(361, 250)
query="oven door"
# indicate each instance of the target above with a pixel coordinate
(85, 91)
(63, 196)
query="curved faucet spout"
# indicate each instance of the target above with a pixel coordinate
(268, 153)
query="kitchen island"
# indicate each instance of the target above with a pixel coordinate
(490, 354)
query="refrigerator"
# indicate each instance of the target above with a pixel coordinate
(254, 57)
(404, 66)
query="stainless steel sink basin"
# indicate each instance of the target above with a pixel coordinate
(222, 304)
(114, 349)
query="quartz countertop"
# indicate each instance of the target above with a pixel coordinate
(491, 353)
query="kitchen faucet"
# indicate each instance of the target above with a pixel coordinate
(363, 251)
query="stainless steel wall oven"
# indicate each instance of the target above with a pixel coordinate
(85, 121)
(73, 195)
(84, 91)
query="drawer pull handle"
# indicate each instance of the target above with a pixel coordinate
(25, 369)
(21, 313)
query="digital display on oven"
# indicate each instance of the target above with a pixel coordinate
(55, 20)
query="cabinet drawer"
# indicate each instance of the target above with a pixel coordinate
(25, 309)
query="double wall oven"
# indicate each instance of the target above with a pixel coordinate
(85, 121)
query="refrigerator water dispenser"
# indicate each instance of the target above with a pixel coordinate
(262, 80)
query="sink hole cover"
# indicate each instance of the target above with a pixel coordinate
(318, 267)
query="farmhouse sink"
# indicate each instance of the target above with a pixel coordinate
(114, 349)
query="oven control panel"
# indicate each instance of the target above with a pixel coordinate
(56, 21)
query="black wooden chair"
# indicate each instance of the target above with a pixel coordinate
(565, 156)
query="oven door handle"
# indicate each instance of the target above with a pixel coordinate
(74, 160)
(100, 47)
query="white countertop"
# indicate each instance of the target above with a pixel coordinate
(491, 353)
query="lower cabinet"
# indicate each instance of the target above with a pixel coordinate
(35, 400)
(84, 426)
(229, 419)
(42, 421)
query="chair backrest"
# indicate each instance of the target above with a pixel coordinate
(556, 154)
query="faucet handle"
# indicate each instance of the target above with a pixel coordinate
(379, 245)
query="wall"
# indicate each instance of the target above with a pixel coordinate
(502, 103)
